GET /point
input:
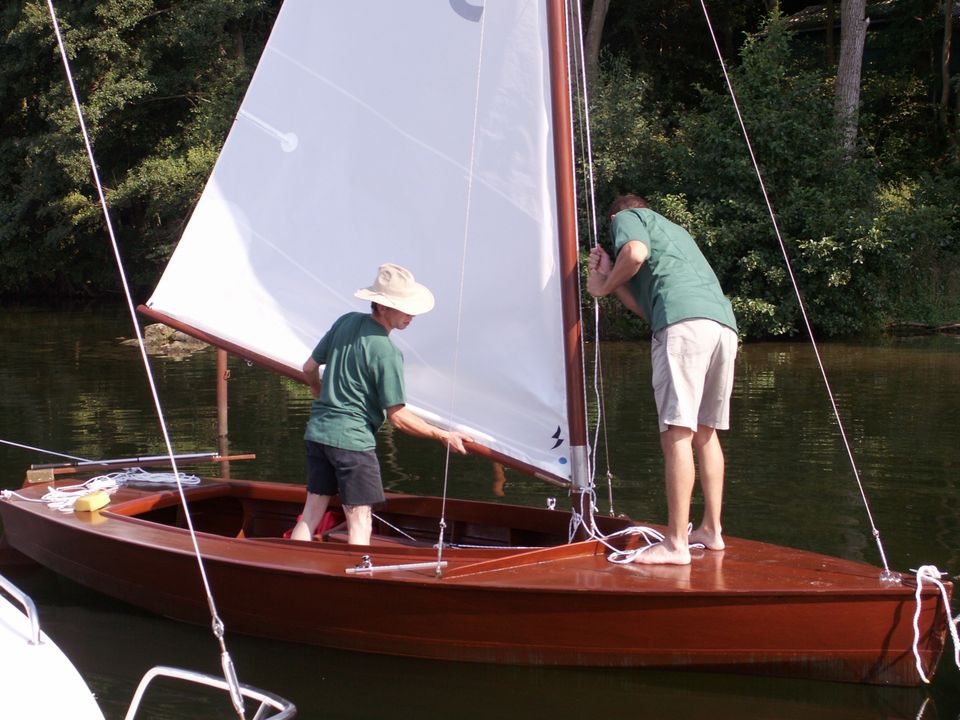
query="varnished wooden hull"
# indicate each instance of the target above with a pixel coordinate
(753, 607)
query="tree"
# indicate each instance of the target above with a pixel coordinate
(159, 82)
(598, 14)
(945, 61)
(853, 33)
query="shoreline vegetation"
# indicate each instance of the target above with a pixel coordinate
(872, 235)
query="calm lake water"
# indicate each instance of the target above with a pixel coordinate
(67, 384)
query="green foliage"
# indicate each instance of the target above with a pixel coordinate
(666, 40)
(869, 239)
(701, 176)
(629, 128)
(921, 218)
(159, 82)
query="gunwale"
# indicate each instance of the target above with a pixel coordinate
(754, 607)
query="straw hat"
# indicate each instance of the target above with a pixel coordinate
(396, 288)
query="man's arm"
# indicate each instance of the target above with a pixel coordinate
(605, 277)
(628, 300)
(404, 420)
(311, 373)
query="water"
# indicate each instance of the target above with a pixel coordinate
(68, 384)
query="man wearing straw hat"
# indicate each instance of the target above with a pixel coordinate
(362, 386)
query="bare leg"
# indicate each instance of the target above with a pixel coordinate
(677, 445)
(313, 511)
(359, 523)
(706, 443)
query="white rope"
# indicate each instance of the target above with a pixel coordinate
(41, 450)
(576, 68)
(931, 574)
(442, 525)
(623, 557)
(217, 623)
(64, 497)
(593, 238)
(618, 556)
(139, 476)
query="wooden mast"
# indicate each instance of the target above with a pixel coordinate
(567, 231)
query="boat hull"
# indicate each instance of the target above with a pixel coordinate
(753, 608)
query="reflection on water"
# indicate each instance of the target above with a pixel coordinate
(67, 384)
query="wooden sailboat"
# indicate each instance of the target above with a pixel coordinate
(438, 136)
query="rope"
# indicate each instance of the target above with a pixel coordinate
(624, 557)
(139, 476)
(618, 556)
(593, 240)
(933, 575)
(41, 450)
(442, 525)
(64, 497)
(796, 289)
(217, 623)
(393, 527)
(577, 70)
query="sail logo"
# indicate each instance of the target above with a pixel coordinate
(468, 11)
(559, 440)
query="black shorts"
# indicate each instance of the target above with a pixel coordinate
(353, 474)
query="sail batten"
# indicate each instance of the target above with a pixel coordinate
(426, 140)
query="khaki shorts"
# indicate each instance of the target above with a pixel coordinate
(693, 373)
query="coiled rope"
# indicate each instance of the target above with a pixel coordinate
(64, 497)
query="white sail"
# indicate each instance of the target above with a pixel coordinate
(417, 133)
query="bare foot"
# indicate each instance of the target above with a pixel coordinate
(710, 540)
(660, 554)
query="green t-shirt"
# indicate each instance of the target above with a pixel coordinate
(675, 282)
(363, 377)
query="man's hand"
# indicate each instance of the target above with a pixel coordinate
(599, 261)
(404, 420)
(596, 284)
(599, 267)
(455, 440)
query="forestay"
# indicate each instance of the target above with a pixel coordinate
(422, 137)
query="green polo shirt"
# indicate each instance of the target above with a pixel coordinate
(363, 377)
(675, 282)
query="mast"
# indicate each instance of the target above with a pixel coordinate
(567, 232)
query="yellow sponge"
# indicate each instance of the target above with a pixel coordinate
(91, 502)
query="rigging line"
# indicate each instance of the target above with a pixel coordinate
(796, 289)
(593, 236)
(41, 450)
(463, 271)
(217, 623)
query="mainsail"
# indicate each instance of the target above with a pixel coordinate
(425, 138)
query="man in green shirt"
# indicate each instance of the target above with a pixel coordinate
(362, 386)
(661, 275)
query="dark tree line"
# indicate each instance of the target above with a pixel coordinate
(873, 228)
